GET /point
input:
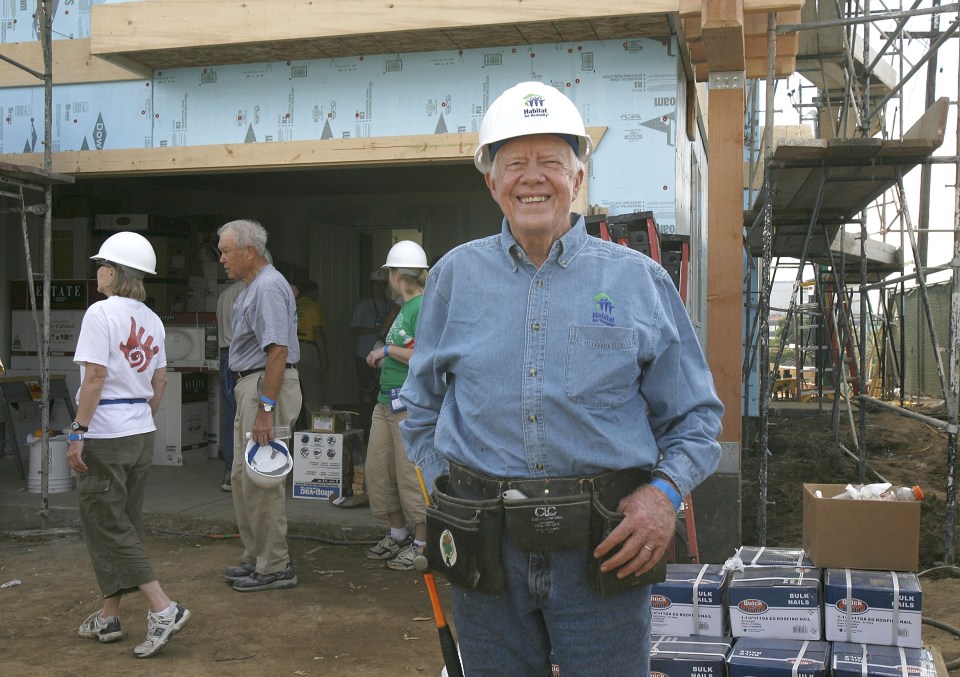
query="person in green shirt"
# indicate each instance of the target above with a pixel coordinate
(392, 482)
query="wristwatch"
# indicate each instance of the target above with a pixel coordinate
(76, 427)
(266, 407)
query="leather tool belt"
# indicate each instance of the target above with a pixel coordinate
(471, 513)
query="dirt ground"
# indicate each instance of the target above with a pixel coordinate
(903, 451)
(349, 616)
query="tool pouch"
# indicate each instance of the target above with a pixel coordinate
(603, 521)
(545, 524)
(463, 539)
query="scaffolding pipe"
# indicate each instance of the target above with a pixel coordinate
(764, 331)
(953, 397)
(852, 21)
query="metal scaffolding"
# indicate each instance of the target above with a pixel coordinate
(817, 203)
(16, 183)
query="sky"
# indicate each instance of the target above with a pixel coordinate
(900, 111)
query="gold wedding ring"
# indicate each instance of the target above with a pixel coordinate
(648, 547)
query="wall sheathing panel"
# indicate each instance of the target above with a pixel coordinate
(629, 86)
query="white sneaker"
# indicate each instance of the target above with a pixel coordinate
(97, 628)
(388, 548)
(159, 630)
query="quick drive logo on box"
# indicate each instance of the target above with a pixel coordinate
(872, 607)
(775, 603)
(690, 601)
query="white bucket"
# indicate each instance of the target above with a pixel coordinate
(61, 475)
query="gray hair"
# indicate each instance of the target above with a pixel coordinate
(247, 233)
(126, 282)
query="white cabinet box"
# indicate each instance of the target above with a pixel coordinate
(182, 420)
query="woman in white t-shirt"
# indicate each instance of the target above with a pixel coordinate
(123, 373)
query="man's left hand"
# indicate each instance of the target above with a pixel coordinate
(649, 521)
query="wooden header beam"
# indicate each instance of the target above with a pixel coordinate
(381, 150)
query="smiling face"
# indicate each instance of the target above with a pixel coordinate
(535, 180)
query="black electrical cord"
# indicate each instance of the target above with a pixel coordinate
(223, 537)
(955, 663)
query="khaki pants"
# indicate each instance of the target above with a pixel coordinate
(261, 513)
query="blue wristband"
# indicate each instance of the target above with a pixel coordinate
(75, 437)
(267, 400)
(386, 351)
(668, 489)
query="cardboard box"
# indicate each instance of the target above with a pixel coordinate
(677, 656)
(845, 534)
(872, 607)
(323, 463)
(64, 330)
(328, 420)
(182, 420)
(881, 661)
(754, 657)
(753, 556)
(673, 611)
(775, 603)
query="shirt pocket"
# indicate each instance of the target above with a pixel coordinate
(602, 368)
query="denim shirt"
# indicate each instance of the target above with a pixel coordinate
(589, 363)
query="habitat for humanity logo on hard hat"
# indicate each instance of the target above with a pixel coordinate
(603, 310)
(535, 106)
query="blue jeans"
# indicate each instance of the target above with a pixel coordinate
(228, 408)
(548, 604)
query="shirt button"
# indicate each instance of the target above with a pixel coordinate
(539, 466)
(533, 372)
(539, 284)
(536, 326)
(533, 418)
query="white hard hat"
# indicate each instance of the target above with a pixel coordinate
(531, 108)
(267, 466)
(378, 275)
(128, 249)
(406, 254)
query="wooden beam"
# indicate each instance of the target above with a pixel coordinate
(725, 248)
(382, 150)
(130, 27)
(692, 8)
(756, 69)
(722, 27)
(72, 64)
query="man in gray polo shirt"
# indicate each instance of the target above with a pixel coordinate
(263, 356)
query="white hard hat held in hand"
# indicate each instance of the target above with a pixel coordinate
(526, 109)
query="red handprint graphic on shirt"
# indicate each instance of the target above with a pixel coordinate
(137, 351)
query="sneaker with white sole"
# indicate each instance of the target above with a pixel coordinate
(96, 627)
(160, 629)
(388, 547)
(285, 578)
(404, 561)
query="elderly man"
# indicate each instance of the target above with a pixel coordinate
(561, 373)
(263, 356)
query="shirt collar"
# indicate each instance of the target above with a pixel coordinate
(564, 249)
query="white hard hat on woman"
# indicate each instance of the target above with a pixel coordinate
(130, 250)
(530, 108)
(406, 254)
